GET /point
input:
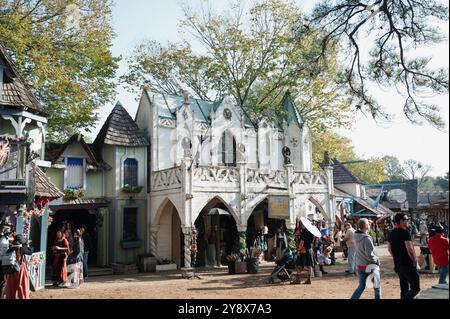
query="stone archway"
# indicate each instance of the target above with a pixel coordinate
(217, 235)
(167, 233)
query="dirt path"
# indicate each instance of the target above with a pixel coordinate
(218, 284)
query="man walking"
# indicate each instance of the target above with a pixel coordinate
(367, 262)
(402, 250)
(438, 245)
(423, 229)
(87, 247)
(351, 249)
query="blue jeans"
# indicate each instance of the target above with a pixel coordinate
(362, 286)
(409, 281)
(443, 272)
(85, 263)
(351, 253)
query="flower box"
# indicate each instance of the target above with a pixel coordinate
(166, 267)
(127, 189)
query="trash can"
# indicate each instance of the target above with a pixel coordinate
(252, 265)
(147, 263)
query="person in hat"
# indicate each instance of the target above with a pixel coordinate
(401, 248)
(18, 283)
(438, 245)
(305, 255)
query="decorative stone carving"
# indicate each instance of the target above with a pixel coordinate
(227, 114)
(216, 174)
(167, 179)
(167, 123)
(241, 153)
(271, 178)
(287, 155)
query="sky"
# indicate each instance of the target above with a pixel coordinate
(137, 20)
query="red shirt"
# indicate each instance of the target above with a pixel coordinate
(438, 245)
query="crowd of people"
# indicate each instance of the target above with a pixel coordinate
(70, 251)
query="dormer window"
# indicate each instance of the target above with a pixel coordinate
(130, 172)
(74, 173)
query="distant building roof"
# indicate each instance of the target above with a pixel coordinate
(120, 129)
(42, 185)
(409, 187)
(15, 92)
(341, 175)
(367, 203)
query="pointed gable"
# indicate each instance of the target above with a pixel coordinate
(290, 110)
(15, 92)
(120, 130)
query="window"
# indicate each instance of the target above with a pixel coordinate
(130, 224)
(227, 150)
(75, 173)
(130, 172)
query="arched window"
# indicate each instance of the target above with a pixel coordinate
(227, 150)
(130, 172)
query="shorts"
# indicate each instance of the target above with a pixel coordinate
(306, 259)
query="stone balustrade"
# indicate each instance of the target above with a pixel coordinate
(167, 179)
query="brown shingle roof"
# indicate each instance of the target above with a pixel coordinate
(341, 175)
(42, 185)
(15, 91)
(120, 129)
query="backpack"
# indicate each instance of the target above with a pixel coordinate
(10, 264)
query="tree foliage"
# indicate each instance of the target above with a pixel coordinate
(393, 168)
(371, 170)
(395, 29)
(251, 54)
(62, 48)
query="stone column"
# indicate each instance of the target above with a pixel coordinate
(331, 197)
(242, 167)
(154, 229)
(187, 271)
(242, 231)
(290, 188)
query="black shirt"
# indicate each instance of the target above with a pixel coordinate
(307, 238)
(87, 242)
(397, 239)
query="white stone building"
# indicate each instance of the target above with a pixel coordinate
(206, 155)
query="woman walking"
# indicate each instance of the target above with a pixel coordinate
(60, 252)
(18, 283)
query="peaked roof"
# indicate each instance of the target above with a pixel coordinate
(120, 129)
(367, 203)
(53, 151)
(291, 111)
(43, 187)
(341, 175)
(15, 92)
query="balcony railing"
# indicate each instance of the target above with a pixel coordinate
(12, 162)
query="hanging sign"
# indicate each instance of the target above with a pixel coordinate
(279, 207)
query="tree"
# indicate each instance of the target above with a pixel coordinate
(370, 170)
(393, 168)
(442, 182)
(415, 170)
(62, 49)
(252, 55)
(396, 29)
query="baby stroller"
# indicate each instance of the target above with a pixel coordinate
(284, 269)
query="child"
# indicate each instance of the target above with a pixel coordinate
(323, 258)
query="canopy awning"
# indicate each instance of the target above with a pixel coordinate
(218, 211)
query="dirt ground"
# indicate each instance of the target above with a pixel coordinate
(219, 284)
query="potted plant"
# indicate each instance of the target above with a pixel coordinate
(231, 259)
(128, 189)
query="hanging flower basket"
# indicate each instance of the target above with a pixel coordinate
(72, 194)
(128, 189)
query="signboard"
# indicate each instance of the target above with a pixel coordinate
(396, 196)
(279, 206)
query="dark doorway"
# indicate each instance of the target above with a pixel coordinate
(76, 218)
(215, 229)
(255, 225)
